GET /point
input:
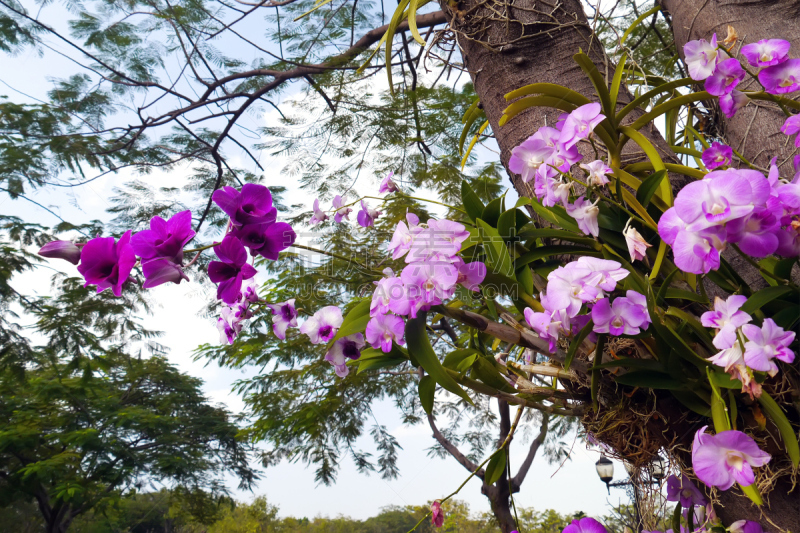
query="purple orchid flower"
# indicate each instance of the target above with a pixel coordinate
(266, 240)
(562, 159)
(323, 326)
(604, 273)
(625, 316)
(596, 173)
(161, 270)
(766, 52)
(231, 270)
(366, 216)
(528, 157)
(637, 246)
(765, 344)
(107, 263)
(61, 250)
(585, 214)
(569, 287)
(789, 242)
(714, 201)
(756, 233)
(717, 155)
(580, 124)
(251, 206)
(470, 275)
(726, 458)
(284, 316)
(319, 215)
(683, 490)
(228, 327)
(428, 283)
(341, 212)
(782, 78)
(726, 318)
(725, 77)
(389, 295)
(441, 240)
(388, 184)
(546, 325)
(792, 127)
(732, 102)
(383, 329)
(403, 236)
(165, 238)
(729, 358)
(437, 515)
(701, 57)
(585, 525)
(343, 349)
(550, 135)
(745, 526)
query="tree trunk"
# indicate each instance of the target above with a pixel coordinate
(755, 130)
(499, 494)
(755, 133)
(508, 45)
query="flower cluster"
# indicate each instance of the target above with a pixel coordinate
(761, 215)
(430, 277)
(232, 316)
(586, 282)
(107, 263)
(778, 74)
(366, 215)
(744, 346)
(548, 155)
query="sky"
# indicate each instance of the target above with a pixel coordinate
(567, 488)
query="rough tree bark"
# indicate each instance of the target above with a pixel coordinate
(755, 133)
(506, 45)
(755, 130)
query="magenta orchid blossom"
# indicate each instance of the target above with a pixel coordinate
(596, 173)
(782, 78)
(382, 330)
(253, 205)
(284, 316)
(528, 157)
(701, 57)
(765, 344)
(681, 489)
(585, 525)
(637, 246)
(161, 248)
(437, 515)
(107, 263)
(341, 212)
(766, 52)
(388, 185)
(585, 214)
(319, 215)
(324, 325)
(725, 77)
(66, 250)
(726, 458)
(792, 127)
(366, 216)
(726, 318)
(470, 275)
(732, 102)
(579, 124)
(717, 155)
(343, 349)
(745, 526)
(231, 269)
(625, 316)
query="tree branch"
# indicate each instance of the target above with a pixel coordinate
(452, 450)
(516, 481)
